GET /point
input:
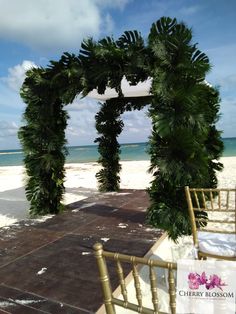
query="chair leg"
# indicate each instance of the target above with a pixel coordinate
(201, 257)
(104, 278)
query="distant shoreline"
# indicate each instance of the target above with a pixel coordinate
(95, 145)
(89, 153)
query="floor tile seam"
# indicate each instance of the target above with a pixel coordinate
(32, 251)
(128, 202)
(23, 292)
(86, 211)
(24, 306)
(2, 311)
(90, 222)
(62, 232)
(145, 242)
(42, 297)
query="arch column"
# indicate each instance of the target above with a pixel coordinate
(109, 126)
(43, 141)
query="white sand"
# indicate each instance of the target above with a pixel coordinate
(81, 183)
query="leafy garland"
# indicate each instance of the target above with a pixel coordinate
(109, 125)
(184, 144)
(43, 137)
(184, 140)
(43, 140)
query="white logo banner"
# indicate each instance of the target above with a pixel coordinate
(206, 287)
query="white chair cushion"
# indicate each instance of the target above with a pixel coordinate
(222, 244)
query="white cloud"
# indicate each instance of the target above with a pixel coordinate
(190, 10)
(137, 126)
(81, 126)
(16, 74)
(8, 129)
(83, 104)
(221, 58)
(9, 126)
(108, 23)
(227, 83)
(54, 25)
(120, 4)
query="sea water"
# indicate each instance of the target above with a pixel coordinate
(89, 153)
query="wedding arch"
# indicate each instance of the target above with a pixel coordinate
(184, 145)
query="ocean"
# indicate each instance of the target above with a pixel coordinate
(132, 151)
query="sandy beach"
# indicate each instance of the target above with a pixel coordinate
(81, 183)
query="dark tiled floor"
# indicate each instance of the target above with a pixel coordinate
(63, 246)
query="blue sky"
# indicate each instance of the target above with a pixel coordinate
(34, 32)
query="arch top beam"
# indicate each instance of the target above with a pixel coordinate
(142, 89)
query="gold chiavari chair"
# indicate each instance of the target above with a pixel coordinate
(213, 222)
(135, 266)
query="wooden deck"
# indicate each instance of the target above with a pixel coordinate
(49, 267)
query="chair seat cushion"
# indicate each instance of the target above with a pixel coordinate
(222, 244)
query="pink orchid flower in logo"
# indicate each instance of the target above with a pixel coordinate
(203, 279)
(195, 280)
(215, 281)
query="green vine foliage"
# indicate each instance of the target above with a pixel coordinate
(43, 141)
(45, 92)
(184, 140)
(109, 125)
(107, 61)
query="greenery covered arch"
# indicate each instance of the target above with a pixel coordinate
(184, 146)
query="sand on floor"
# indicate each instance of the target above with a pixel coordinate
(81, 183)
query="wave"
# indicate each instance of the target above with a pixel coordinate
(81, 149)
(130, 146)
(11, 153)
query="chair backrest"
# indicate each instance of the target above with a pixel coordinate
(211, 210)
(135, 262)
